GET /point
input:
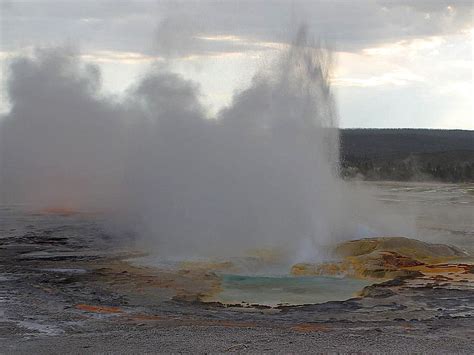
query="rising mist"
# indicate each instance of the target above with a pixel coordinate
(263, 173)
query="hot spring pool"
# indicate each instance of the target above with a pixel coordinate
(259, 287)
(274, 290)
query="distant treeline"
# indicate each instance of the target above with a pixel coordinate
(408, 154)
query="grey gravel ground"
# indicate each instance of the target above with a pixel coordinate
(50, 265)
(203, 339)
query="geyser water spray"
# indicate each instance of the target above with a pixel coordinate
(261, 175)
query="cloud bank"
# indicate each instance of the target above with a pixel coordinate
(126, 26)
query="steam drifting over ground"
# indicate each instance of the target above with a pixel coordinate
(261, 174)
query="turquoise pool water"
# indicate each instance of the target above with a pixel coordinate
(274, 290)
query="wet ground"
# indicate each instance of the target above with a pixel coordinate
(66, 287)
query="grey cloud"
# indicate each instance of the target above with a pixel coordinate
(176, 36)
(429, 6)
(131, 26)
(71, 9)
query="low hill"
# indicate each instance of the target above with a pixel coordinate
(408, 154)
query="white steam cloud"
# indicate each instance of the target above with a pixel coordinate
(263, 173)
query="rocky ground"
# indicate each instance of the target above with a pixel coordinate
(65, 287)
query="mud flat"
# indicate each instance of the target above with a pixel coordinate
(66, 287)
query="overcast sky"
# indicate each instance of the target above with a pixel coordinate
(397, 63)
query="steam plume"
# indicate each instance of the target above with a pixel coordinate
(263, 173)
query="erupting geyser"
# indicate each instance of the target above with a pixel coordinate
(262, 174)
